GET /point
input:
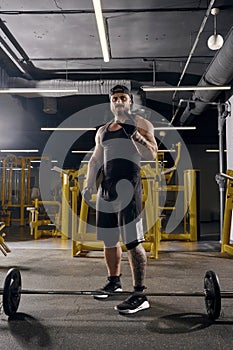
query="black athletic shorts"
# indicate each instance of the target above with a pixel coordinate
(118, 211)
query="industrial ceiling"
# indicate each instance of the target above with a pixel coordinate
(55, 43)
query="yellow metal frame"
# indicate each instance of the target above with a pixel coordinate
(5, 216)
(67, 177)
(169, 174)
(226, 246)
(65, 206)
(9, 163)
(35, 223)
(3, 246)
(190, 204)
(189, 190)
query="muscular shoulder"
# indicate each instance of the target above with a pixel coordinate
(99, 132)
(144, 124)
(101, 129)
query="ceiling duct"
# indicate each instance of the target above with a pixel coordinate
(83, 87)
(219, 72)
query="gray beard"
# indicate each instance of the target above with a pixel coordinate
(121, 113)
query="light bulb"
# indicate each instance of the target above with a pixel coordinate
(215, 42)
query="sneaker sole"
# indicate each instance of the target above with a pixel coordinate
(143, 306)
(105, 296)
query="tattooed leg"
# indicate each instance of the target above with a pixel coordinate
(137, 259)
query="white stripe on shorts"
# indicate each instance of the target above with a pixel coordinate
(139, 231)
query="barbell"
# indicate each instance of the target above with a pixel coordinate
(212, 295)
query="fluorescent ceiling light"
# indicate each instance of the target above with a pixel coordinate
(65, 129)
(226, 176)
(142, 161)
(183, 88)
(176, 128)
(166, 150)
(147, 161)
(39, 161)
(214, 150)
(101, 29)
(36, 90)
(14, 169)
(19, 150)
(157, 128)
(59, 170)
(81, 151)
(160, 150)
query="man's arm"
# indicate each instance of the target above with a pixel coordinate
(144, 139)
(95, 162)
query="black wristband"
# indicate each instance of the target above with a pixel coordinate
(129, 128)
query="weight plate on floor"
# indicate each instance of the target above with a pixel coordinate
(213, 295)
(11, 292)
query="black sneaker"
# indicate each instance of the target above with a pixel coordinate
(113, 286)
(133, 304)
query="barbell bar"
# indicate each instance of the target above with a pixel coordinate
(212, 295)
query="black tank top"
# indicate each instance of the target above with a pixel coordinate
(121, 159)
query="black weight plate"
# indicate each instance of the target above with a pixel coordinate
(11, 292)
(213, 295)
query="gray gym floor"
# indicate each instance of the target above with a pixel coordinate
(81, 322)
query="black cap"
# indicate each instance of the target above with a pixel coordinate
(119, 89)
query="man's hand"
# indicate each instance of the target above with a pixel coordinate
(129, 126)
(86, 194)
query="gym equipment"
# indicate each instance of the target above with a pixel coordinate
(50, 221)
(227, 231)
(15, 188)
(5, 215)
(13, 282)
(3, 246)
(69, 179)
(188, 204)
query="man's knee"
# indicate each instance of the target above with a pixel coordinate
(132, 245)
(111, 243)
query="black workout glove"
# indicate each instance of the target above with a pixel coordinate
(129, 126)
(86, 194)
